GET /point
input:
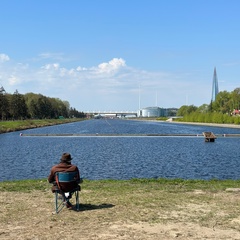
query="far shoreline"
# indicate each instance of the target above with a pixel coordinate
(223, 125)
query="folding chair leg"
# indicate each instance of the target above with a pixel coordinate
(56, 202)
(59, 204)
(77, 200)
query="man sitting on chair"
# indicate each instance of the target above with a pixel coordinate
(65, 165)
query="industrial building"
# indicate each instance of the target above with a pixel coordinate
(156, 112)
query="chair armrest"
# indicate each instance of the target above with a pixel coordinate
(54, 183)
(80, 180)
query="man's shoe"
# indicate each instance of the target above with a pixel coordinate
(69, 205)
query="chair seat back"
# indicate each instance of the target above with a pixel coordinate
(67, 181)
(67, 176)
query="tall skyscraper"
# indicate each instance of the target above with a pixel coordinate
(214, 86)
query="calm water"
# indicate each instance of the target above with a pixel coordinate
(122, 157)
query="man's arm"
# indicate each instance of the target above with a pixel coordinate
(78, 176)
(51, 177)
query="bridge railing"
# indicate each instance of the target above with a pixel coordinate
(111, 112)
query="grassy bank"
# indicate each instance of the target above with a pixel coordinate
(11, 126)
(124, 209)
(168, 185)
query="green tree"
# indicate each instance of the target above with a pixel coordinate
(31, 102)
(74, 113)
(235, 97)
(4, 107)
(222, 103)
(18, 107)
(44, 107)
(182, 111)
(203, 108)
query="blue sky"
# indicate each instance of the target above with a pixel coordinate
(108, 54)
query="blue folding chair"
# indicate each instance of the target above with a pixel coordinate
(63, 179)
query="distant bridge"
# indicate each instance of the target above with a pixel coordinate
(112, 113)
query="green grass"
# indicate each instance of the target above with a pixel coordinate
(10, 126)
(204, 202)
(167, 185)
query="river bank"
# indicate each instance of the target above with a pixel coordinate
(134, 209)
(12, 126)
(225, 125)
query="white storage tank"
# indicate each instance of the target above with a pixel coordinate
(151, 112)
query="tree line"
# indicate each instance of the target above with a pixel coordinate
(225, 109)
(18, 106)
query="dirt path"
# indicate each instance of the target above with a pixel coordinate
(31, 216)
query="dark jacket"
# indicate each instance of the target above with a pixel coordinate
(64, 167)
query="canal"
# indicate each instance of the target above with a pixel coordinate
(122, 157)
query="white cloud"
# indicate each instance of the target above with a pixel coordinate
(53, 66)
(109, 85)
(48, 55)
(4, 57)
(113, 65)
(81, 69)
(13, 80)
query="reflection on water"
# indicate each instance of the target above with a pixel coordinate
(122, 157)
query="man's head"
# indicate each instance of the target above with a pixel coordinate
(66, 157)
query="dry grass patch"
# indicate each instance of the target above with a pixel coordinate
(134, 209)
